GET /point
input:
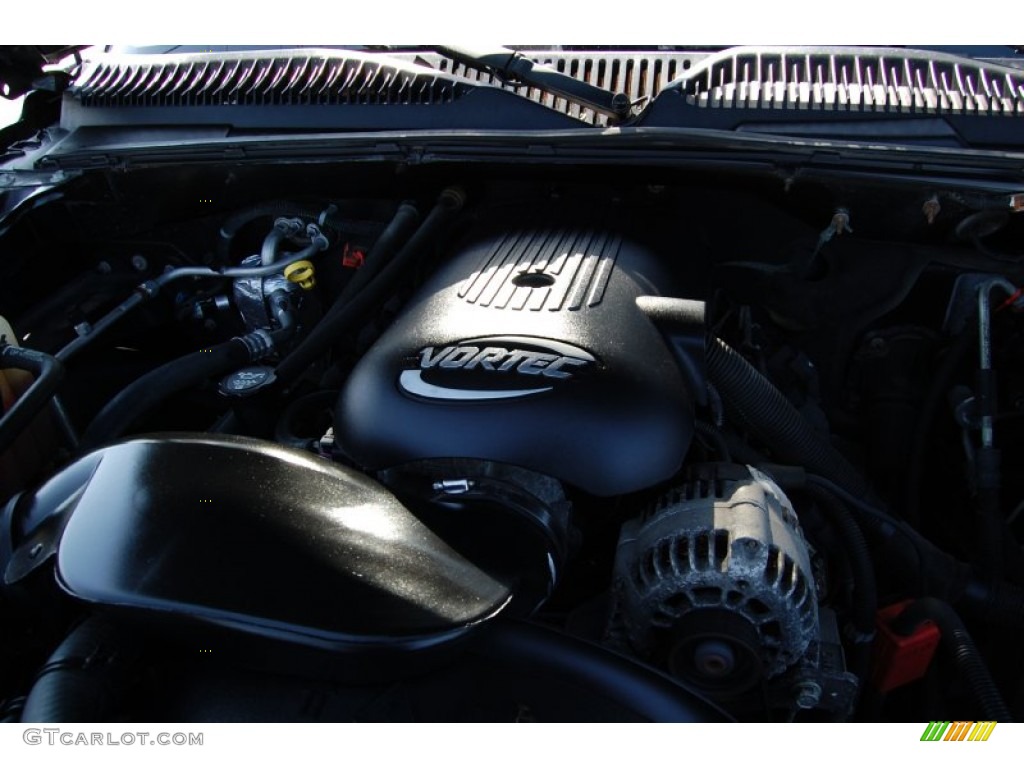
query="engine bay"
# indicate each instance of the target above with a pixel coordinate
(486, 441)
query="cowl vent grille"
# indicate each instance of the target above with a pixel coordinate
(641, 76)
(855, 80)
(299, 77)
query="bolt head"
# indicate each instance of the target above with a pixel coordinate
(808, 694)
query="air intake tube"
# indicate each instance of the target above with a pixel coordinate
(83, 679)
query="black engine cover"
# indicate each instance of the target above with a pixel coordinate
(528, 348)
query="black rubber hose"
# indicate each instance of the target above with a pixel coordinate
(908, 554)
(234, 223)
(766, 412)
(865, 606)
(942, 575)
(999, 554)
(82, 680)
(398, 231)
(942, 380)
(864, 599)
(49, 373)
(354, 305)
(537, 650)
(326, 331)
(959, 646)
(145, 393)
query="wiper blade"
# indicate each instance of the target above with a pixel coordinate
(513, 68)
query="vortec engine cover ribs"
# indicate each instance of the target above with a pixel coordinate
(529, 348)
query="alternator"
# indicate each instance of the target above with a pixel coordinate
(715, 581)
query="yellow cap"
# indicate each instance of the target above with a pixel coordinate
(301, 272)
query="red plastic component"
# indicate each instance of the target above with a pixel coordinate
(352, 257)
(901, 659)
(1012, 301)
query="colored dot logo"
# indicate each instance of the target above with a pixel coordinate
(958, 731)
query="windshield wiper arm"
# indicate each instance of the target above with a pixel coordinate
(513, 68)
